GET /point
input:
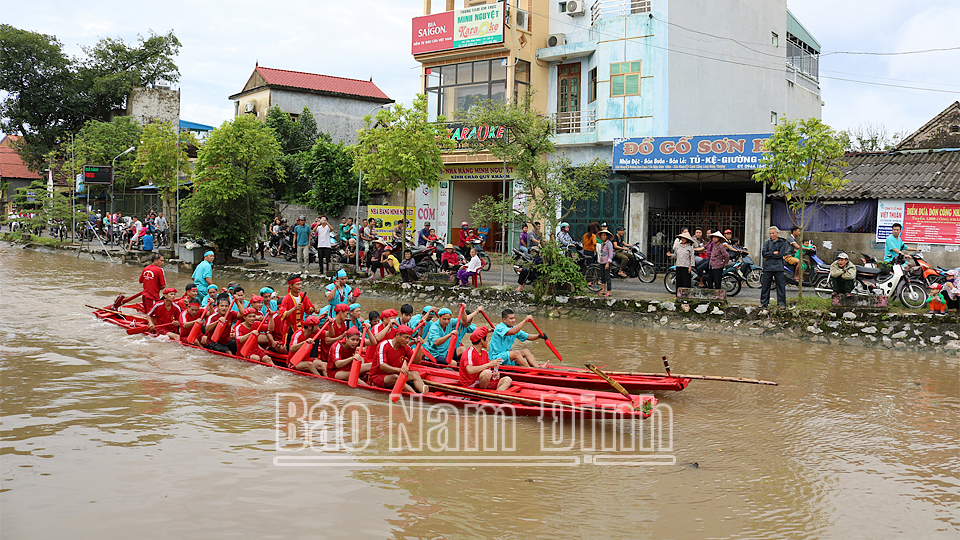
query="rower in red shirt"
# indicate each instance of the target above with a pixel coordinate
(165, 314)
(190, 316)
(276, 333)
(336, 330)
(380, 332)
(295, 305)
(188, 294)
(388, 362)
(341, 356)
(476, 368)
(304, 338)
(245, 331)
(226, 343)
(153, 282)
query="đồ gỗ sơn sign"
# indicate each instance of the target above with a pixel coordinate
(707, 152)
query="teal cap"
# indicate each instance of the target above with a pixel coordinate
(354, 306)
(445, 311)
(341, 273)
(266, 290)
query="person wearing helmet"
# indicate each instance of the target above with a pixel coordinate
(563, 237)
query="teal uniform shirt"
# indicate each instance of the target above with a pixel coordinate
(891, 243)
(437, 331)
(501, 343)
(339, 298)
(426, 326)
(203, 271)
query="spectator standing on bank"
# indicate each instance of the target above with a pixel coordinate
(301, 232)
(773, 251)
(590, 242)
(605, 257)
(685, 259)
(719, 257)
(324, 246)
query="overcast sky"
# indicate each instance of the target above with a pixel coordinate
(371, 38)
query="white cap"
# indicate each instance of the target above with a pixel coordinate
(842, 255)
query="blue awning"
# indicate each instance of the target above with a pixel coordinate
(194, 126)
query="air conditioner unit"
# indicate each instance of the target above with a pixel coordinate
(250, 107)
(523, 20)
(575, 8)
(555, 40)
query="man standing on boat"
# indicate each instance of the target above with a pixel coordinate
(203, 275)
(505, 334)
(153, 282)
(339, 292)
(295, 305)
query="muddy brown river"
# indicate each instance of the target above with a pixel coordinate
(106, 435)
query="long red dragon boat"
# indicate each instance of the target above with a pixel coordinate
(522, 398)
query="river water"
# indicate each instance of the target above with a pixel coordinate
(107, 435)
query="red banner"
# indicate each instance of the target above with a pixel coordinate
(433, 32)
(931, 223)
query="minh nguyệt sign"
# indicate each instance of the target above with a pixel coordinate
(469, 27)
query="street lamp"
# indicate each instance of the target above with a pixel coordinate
(113, 174)
(359, 184)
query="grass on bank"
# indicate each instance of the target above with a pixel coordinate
(17, 236)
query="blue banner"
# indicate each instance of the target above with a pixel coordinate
(710, 152)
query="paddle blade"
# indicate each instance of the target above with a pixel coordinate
(398, 387)
(249, 344)
(118, 302)
(139, 329)
(554, 349)
(195, 330)
(355, 373)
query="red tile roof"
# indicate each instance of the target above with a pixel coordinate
(321, 83)
(11, 166)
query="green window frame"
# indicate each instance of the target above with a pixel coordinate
(625, 79)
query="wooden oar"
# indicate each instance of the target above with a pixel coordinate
(124, 315)
(222, 326)
(304, 351)
(455, 337)
(671, 376)
(616, 386)
(484, 313)
(402, 377)
(197, 327)
(251, 342)
(358, 362)
(547, 341)
(666, 365)
(121, 300)
(506, 398)
(144, 329)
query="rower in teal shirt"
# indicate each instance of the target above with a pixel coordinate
(442, 329)
(505, 334)
(425, 329)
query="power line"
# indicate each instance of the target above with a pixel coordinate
(892, 53)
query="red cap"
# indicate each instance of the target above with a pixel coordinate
(256, 298)
(389, 313)
(727, 231)
(404, 329)
(311, 321)
(352, 331)
(341, 308)
(250, 311)
(479, 334)
(168, 290)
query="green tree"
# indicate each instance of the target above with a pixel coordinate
(50, 95)
(547, 186)
(399, 149)
(48, 208)
(41, 98)
(296, 138)
(802, 161)
(98, 143)
(328, 168)
(230, 203)
(157, 157)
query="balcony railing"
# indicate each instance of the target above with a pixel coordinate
(575, 122)
(618, 8)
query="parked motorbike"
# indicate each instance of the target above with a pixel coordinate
(730, 281)
(811, 276)
(520, 259)
(908, 287)
(929, 274)
(749, 271)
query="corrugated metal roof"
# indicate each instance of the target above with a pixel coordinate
(930, 175)
(796, 28)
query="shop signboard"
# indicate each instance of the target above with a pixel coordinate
(924, 222)
(469, 27)
(385, 218)
(463, 135)
(712, 152)
(478, 173)
(443, 209)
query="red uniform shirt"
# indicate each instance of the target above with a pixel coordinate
(386, 354)
(371, 351)
(279, 331)
(471, 357)
(289, 303)
(185, 317)
(333, 329)
(162, 315)
(225, 337)
(153, 281)
(299, 337)
(339, 351)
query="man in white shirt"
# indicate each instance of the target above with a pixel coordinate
(161, 224)
(323, 232)
(135, 226)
